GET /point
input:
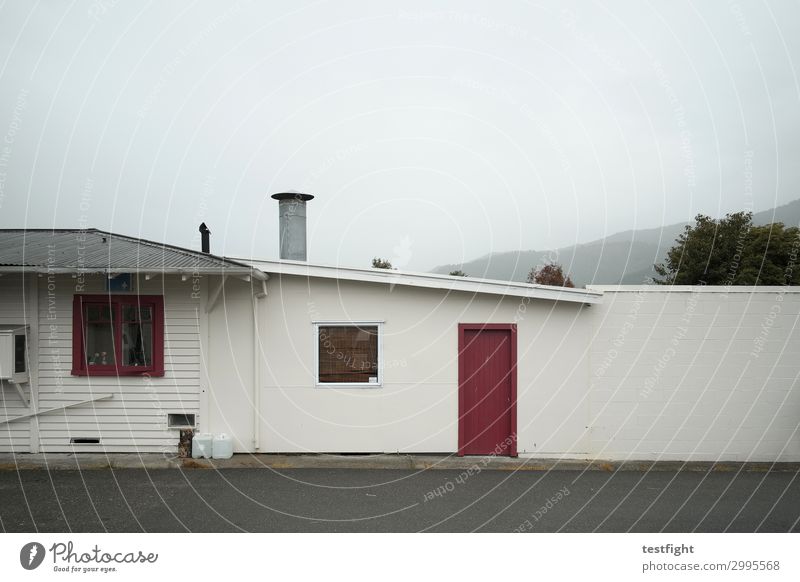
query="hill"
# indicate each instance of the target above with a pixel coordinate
(622, 258)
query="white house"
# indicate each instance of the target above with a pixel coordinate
(116, 331)
(127, 341)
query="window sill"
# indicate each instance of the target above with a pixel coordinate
(348, 385)
(119, 373)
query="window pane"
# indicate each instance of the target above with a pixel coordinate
(136, 313)
(129, 313)
(348, 354)
(19, 353)
(98, 313)
(137, 344)
(99, 344)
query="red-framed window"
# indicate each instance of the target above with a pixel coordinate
(118, 335)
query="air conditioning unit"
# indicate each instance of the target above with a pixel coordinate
(14, 353)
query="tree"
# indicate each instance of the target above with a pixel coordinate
(550, 274)
(458, 273)
(731, 251)
(379, 263)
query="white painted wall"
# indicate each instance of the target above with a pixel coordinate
(703, 373)
(416, 409)
(589, 380)
(679, 374)
(230, 365)
(135, 419)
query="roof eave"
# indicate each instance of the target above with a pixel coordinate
(443, 282)
(43, 270)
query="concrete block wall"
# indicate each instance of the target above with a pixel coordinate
(695, 373)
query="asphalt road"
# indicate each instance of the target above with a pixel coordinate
(346, 500)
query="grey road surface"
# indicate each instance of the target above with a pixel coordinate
(358, 500)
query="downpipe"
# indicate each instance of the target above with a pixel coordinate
(257, 367)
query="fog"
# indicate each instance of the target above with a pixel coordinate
(428, 135)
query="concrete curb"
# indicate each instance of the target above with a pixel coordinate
(154, 461)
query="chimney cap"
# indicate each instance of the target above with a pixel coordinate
(203, 228)
(292, 195)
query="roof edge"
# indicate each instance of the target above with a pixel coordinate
(696, 288)
(44, 270)
(429, 280)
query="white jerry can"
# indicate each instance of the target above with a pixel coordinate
(202, 445)
(223, 447)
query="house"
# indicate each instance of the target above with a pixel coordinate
(128, 341)
(116, 332)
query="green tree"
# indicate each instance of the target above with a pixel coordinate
(731, 251)
(379, 263)
(550, 274)
(458, 273)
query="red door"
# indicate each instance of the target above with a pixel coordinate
(487, 389)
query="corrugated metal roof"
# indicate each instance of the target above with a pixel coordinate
(96, 250)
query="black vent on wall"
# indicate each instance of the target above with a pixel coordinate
(84, 441)
(178, 420)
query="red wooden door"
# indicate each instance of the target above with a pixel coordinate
(487, 389)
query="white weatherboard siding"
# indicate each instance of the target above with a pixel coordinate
(135, 419)
(416, 409)
(706, 373)
(14, 436)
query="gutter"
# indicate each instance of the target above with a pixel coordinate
(188, 271)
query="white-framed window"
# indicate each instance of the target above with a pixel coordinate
(348, 353)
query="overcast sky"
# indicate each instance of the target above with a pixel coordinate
(428, 134)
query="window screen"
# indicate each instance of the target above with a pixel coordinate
(348, 354)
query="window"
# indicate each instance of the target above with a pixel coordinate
(118, 335)
(19, 354)
(13, 356)
(348, 353)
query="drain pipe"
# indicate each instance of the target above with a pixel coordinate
(257, 366)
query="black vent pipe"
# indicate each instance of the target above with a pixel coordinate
(205, 245)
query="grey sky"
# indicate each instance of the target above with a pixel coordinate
(429, 135)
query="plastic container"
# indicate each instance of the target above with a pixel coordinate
(223, 447)
(202, 445)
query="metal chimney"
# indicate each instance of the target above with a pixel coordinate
(205, 244)
(292, 224)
